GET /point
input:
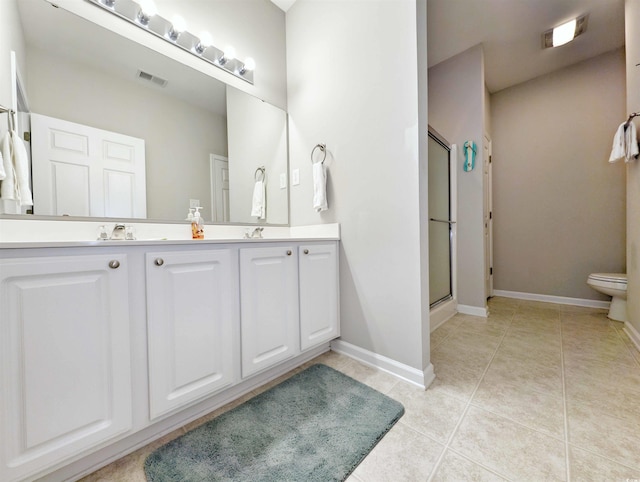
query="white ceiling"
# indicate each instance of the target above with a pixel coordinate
(510, 31)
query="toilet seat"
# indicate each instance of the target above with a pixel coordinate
(610, 280)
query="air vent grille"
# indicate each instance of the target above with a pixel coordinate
(152, 78)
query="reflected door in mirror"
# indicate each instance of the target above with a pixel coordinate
(83, 171)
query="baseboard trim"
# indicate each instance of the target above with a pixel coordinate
(412, 375)
(560, 300)
(632, 333)
(442, 313)
(473, 310)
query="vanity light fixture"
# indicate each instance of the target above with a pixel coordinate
(204, 42)
(147, 10)
(144, 14)
(249, 65)
(178, 25)
(565, 33)
(228, 54)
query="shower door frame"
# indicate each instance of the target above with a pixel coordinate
(452, 151)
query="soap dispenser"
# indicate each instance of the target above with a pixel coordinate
(197, 228)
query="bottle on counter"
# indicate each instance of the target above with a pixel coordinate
(197, 228)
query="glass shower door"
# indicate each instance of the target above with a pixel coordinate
(440, 224)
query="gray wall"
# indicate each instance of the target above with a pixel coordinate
(355, 88)
(178, 136)
(632, 29)
(457, 112)
(559, 206)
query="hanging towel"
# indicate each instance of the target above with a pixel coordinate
(16, 165)
(319, 187)
(21, 165)
(3, 174)
(625, 143)
(7, 187)
(258, 205)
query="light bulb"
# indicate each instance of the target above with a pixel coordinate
(229, 52)
(249, 64)
(148, 7)
(205, 39)
(178, 23)
(147, 10)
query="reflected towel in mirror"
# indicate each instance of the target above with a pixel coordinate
(259, 202)
(15, 186)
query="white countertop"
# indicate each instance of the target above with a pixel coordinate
(16, 234)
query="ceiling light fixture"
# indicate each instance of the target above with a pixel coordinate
(564, 33)
(144, 14)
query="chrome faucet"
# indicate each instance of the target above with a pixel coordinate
(255, 234)
(118, 232)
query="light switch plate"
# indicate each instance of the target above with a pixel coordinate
(295, 175)
(194, 203)
(283, 180)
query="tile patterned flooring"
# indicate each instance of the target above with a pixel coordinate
(534, 392)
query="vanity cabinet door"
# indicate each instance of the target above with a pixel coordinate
(65, 384)
(190, 318)
(268, 306)
(318, 271)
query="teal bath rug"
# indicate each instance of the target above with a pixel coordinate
(316, 426)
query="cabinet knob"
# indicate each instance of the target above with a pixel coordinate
(158, 261)
(306, 251)
(114, 264)
(289, 252)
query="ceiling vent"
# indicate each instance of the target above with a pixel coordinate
(152, 78)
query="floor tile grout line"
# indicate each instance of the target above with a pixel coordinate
(489, 469)
(598, 454)
(564, 406)
(468, 404)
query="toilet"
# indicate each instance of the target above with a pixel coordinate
(614, 285)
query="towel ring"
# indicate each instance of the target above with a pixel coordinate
(323, 148)
(261, 171)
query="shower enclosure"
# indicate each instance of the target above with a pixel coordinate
(441, 221)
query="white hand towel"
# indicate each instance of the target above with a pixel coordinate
(258, 205)
(7, 187)
(625, 143)
(319, 187)
(21, 166)
(3, 174)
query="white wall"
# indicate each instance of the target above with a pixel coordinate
(257, 137)
(456, 111)
(11, 38)
(632, 29)
(353, 84)
(178, 136)
(559, 206)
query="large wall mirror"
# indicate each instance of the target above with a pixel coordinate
(164, 136)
